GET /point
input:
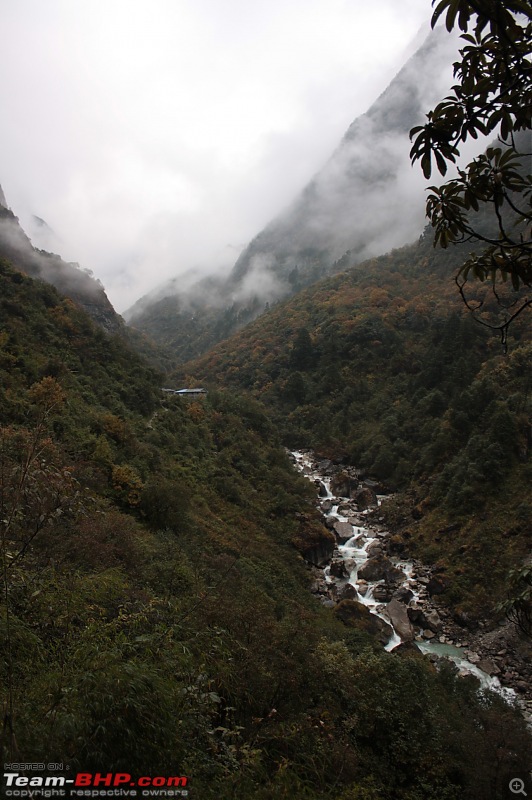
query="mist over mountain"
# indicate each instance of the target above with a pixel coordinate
(365, 200)
(68, 278)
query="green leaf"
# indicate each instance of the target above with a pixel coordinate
(426, 166)
(440, 161)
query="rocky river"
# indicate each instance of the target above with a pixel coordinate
(396, 599)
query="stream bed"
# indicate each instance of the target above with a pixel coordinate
(393, 589)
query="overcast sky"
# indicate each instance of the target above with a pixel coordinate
(156, 136)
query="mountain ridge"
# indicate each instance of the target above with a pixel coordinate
(354, 207)
(68, 278)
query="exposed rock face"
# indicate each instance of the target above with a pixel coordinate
(465, 620)
(356, 615)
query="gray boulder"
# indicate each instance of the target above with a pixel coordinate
(433, 622)
(343, 530)
(348, 592)
(365, 498)
(381, 568)
(403, 594)
(397, 613)
(383, 593)
(338, 568)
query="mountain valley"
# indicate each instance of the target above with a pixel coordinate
(248, 535)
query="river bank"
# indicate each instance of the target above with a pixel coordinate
(366, 569)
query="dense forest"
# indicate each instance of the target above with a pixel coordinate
(156, 608)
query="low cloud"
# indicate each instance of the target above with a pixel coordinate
(159, 137)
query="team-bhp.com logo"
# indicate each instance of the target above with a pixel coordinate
(94, 784)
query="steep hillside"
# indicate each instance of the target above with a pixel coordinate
(155, 615)
(383, 368)
(365, 200)
(68, 278)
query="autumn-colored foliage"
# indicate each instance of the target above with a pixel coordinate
(155, 614)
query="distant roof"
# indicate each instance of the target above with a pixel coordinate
(185, 391)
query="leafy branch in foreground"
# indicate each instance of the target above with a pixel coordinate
(489, 202)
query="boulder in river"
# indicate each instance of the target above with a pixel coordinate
(416, 615)
(343, 530)
(342, 484)
(397, 613)
(408, 649)
(375, 549)
(338, 568)
(345, 508)
(348, 592)
(403, 594)
(365, 498)
(433, 621)
(350, 564)
(381, 568)
(382, 593)
(488, 666)
(356, 615)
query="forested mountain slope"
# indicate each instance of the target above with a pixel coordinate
(383, 367)
(155, 614)
(67, 278)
